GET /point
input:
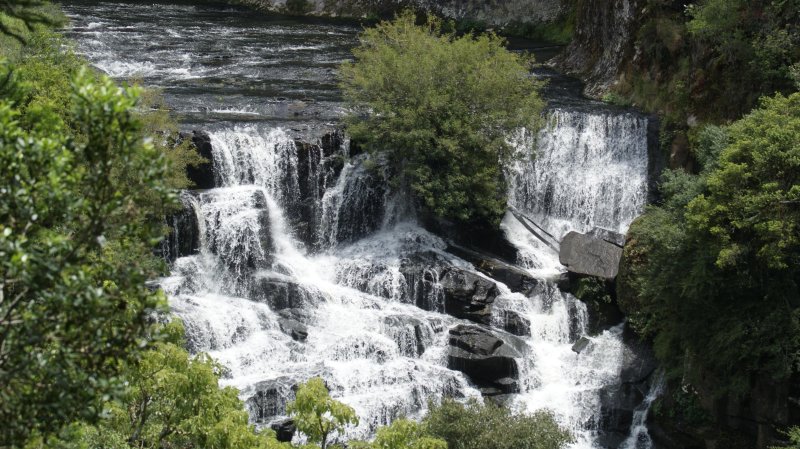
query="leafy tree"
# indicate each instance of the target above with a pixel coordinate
(172, 401)
(68, 313)
(794, 439)
(317, 415)
(402, 434)
(443, 107)
(19, 17)
(488, 426)
(713, 273)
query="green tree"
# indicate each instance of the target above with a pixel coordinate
(712, 274)
(317, 415)
(443, 107)
(69, 313)
(488, 426)
(172, 400)
(402, 434)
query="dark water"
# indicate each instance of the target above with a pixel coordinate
(219, 63)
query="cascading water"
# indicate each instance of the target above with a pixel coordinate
(304, 262)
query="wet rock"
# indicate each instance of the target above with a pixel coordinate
(284, 429)
(202, 175)
(295, 329)
(590, 255)
(282, 293)
(581, 344)
(318, 168)
(411, 335)
(243, 248)
(619, 402)
(267, 400)
(515, 324)
(421, 272)
(517, 279)
(487, 357)
(468, 295)
(184, 233)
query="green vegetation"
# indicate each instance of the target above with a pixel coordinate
(712, 273)
(87, 180)
(713, 59)
(172, 400)
(443, 108)
(488, 426)
(318, 415)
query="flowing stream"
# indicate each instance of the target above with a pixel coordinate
(307, 263)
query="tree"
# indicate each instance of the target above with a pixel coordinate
(317, 415)
(172, 400)
(401, 434)
(443, 107)
(712, 274)
(488, 426)
(68, 312)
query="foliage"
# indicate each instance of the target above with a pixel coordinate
(794, 439)
(443, 107)
(68, 314)
(172, 400)
(715, 58)
(18, 18)
(487, 426)
(402, 434)
(713, 271)
(317, 415)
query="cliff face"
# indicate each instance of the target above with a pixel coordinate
(603, 42)
(490, 13)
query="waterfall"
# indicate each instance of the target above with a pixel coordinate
(304, 261)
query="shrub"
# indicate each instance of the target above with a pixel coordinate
(443, 107)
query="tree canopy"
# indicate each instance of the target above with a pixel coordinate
(713, 272)
(443, 107)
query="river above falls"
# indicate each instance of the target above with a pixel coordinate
(307, 263)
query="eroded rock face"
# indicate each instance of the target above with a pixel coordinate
(283, 293)
(468, 295)
(590, 255)
(487, 357)
(269, 398)
(202, 175)
(184, 233)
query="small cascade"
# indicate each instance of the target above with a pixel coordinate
(639, 437)
(589, 170)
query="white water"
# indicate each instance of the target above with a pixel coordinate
(377, 350)
(375, 332)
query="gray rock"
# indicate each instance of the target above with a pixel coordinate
(590, 255)
(201, 175)
(267, 400)
(468, 295)
(517, 279)
(581, 344)
(295, 329)
(515, 324)
(283, 293)
(487, 357)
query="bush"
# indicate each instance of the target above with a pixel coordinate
(443, 107)
(713, 272)
(487, 426)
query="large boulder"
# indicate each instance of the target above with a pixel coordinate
(487, 357)
(291, 323)
(591, 255)
(284, 429)
(468, 295)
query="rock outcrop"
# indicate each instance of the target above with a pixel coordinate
(592, 254)
(468, 295)
(487, 357)
(202, 175)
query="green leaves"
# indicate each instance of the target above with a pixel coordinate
(488, 426)
(443, 107)
(317, 415)
(68, 312)
(712, 274)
